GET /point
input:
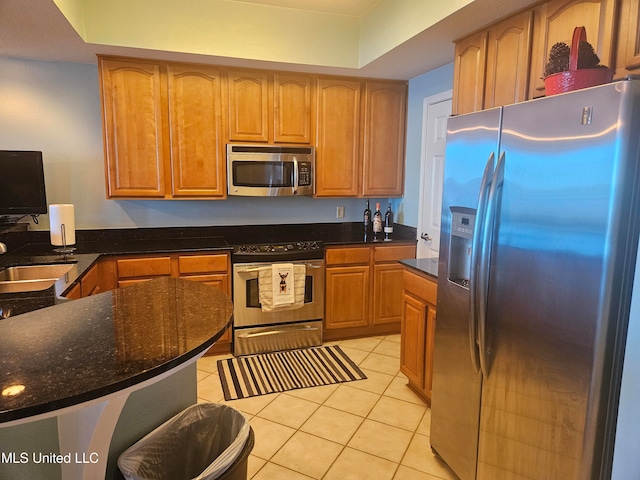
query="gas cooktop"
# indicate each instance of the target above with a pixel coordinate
(268, 252)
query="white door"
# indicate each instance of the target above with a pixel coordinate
(436, 110)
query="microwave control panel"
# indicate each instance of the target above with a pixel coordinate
(304, 174)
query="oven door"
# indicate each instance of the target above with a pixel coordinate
(247, 311)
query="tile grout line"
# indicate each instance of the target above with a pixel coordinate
(344, 446)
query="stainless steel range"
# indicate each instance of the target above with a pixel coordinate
(256, 327)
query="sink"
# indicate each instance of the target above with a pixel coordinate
(31, 278)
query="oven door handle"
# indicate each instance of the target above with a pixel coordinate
(249, 270)
(256, 269)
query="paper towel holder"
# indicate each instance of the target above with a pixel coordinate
(62, 227)
(64, 248)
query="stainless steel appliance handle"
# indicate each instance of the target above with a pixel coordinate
(275, 332)
(248, 270)
(478, 230)
(296, 179)
(256, 269)
(485, 260)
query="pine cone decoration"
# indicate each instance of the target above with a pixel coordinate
(558, 59)
(587, 58)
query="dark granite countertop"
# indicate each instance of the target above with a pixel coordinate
(34, 247)
(427, 266)
(85, 349)
(175, 239)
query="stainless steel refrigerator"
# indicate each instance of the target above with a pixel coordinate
(540, 226)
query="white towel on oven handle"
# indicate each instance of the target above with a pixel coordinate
(268, 289)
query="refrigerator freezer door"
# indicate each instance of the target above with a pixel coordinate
(557, 276)
(471, 141)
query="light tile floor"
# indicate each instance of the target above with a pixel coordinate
(373, 429)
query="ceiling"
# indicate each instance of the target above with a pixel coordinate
(36, 29)
(353, 8)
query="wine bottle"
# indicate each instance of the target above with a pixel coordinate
(388, 223)
(367, 219)
(377, 222)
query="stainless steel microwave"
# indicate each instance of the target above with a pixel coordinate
(270, 170)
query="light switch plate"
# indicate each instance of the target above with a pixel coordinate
(340, 212)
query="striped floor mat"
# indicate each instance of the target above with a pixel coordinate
(253, 375)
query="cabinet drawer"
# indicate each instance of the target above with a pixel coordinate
(142, 267)
(420, 286)
(394, 253)
(202, 263)
(347, 256)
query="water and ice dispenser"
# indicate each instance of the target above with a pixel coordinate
(463, 221)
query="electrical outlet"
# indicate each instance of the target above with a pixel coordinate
(340, 212)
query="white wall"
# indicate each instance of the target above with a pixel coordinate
(55, 107)
(425, 85)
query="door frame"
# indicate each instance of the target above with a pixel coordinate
(426, 103)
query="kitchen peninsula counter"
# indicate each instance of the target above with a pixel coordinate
(85, 349)
(87, 362)
(425, 266)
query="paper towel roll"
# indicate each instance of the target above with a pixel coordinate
(62, 215)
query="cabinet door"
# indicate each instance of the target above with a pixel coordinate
(385, 113)
(338, 138)
(90, 282)
(222, 282)
(75, 293)
(428, 359)
(508, 61)
(469, 74)
(198, 133)
(387, 293)
(292, 108)
(347, 297)
(628, 58)
(556, 23)
(413, 339)
(134, 116)
(248, 106)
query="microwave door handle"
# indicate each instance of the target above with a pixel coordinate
(295, 175)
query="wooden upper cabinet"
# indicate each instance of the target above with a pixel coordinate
(385, 112)
(508, 61)
(164, 129)
(248, 106)
(338, 138)
(266, 107)
(555, 22)
(292, 96)
(134, 116)
(469, 74)
(628, 54)
(198, 133)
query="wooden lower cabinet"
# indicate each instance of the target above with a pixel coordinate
(418, 331)
(347, 297)
(211, 268)
(363, 294)
(89, 284)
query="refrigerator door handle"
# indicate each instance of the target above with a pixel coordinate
(485, 260)
(478, 233)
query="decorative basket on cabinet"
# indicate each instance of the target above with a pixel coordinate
(574, 68)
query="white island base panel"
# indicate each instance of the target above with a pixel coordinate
(85, 432)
